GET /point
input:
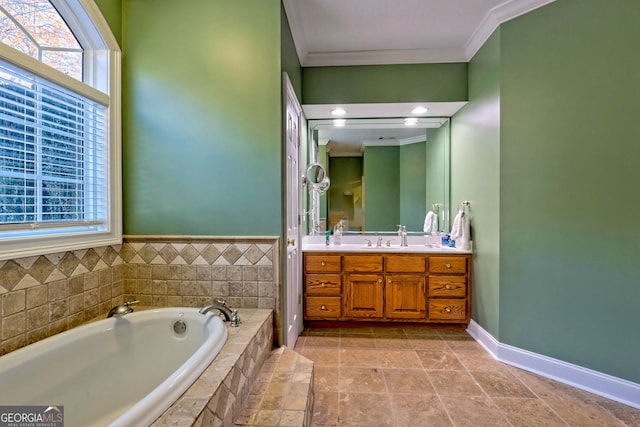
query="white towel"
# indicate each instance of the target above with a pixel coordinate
(460, 231)
(431, 222)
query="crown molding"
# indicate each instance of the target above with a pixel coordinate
(494, 18)
(497, 16)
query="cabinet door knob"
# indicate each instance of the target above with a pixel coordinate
(447, 286)
(447, 309)
(379, 280)
(448, 265)
(324, 307)
(323, 264)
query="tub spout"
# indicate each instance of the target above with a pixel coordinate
(121, 310)
(229, 315)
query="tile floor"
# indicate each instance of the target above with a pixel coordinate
(425, 376)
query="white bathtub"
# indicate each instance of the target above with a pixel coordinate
(123, 371)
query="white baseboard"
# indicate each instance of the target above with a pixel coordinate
(595, 382)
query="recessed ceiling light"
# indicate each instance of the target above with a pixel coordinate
(411, 121)
(339, 122)
(419, 110)
(338, 112)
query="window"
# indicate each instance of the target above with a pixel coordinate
(59, 128)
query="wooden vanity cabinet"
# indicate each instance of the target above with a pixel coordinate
(449, 290)
(322, 287)
(364, 286)
(405, 287)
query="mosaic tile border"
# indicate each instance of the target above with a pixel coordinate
(44, 295)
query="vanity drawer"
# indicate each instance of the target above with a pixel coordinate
(323, 284)
(448, 286)
(322, 263)
(323, 307)
(405, 263)
(447, 309)
(442, 264)
(362, 263)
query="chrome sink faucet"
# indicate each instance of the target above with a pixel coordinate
(379, 242)
(221, 306)
(121, 310)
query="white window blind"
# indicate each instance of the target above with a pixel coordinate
(53, 156)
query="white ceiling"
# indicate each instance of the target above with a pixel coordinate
(376, 32)
(369, 32)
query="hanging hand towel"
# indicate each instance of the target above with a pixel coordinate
(460, 231)
(431, 223)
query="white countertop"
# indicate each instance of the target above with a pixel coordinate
(416, 244)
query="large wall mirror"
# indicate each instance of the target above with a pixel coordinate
(384, 171)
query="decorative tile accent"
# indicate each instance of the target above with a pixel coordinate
(73, 287)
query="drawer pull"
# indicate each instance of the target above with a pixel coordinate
(323, 284)
(323, 307)
(322, 263)
(447, 286)
(447, 309)
(448, 265)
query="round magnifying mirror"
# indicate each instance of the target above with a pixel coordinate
(315, 173)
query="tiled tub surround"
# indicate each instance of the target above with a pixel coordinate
(44, 295)
(218, 396)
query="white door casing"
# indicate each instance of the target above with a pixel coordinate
(293, 117)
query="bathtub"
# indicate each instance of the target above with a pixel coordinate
(123, 371)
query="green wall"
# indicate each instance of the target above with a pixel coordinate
(112, 12)
(569, 233)
(290, 61)
(202, 117)
(413, 185)
(475, 176)
(437, 168)
(381, 188)
(384, 83)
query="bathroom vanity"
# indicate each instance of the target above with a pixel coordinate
(387, 284)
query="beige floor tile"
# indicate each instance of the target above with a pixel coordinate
(454, 383)
(325, 409)
(407, 381)
(359, 341)
(630, 416)
(418, 410)
(406, 359)
(580, 414)
(528, 412)
(501, 384)
(361, 380)
(391, 343)
(428, 342)
(322, 356)
(438, 360)
(365, 410)
(359, 357)
(372, 378)
(474, 411)
(325, 378)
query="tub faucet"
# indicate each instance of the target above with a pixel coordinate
(121, 310)
(229, 315)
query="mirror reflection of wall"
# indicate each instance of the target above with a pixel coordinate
(384, 173)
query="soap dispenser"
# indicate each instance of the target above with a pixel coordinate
(403, 237)
(337, 234)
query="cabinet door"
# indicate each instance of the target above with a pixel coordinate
(363, 296)
(405, 296)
